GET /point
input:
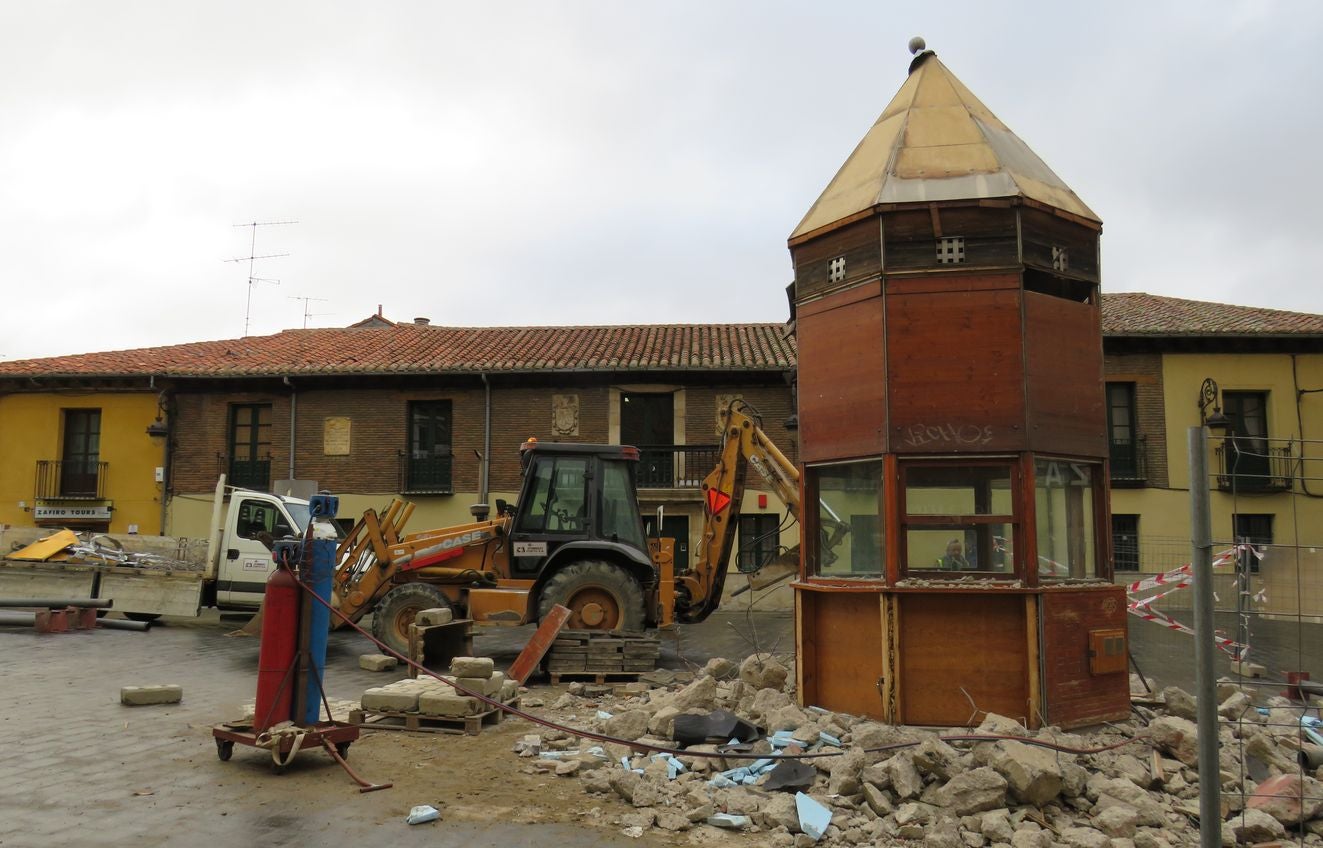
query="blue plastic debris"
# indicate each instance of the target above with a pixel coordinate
(781, 738)
(728, 820)
(827, 739)
(603, 715)
(557, 755)
(673, 766)
(813, 817)
(721, 782)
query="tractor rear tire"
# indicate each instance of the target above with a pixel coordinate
(396, 611)
(600, 596)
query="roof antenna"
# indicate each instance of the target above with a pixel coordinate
(307, 301)
(250, 258)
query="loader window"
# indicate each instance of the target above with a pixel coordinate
(557, 498)
(621, 521)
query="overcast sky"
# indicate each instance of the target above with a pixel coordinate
(599, 162)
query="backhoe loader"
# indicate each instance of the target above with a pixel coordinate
(574, 537)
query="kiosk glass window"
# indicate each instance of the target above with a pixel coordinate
(849, 499)
(959, 517)
(1064, 502)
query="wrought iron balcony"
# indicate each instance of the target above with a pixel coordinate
(79, 480)
(427, 475)
(1129, 462)
(1249, 465)
(246, 473)
(674, 466)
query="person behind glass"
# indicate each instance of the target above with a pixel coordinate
(954, 558)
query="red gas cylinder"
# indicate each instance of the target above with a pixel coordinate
(275, 664)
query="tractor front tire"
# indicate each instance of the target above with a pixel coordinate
(600, 596)
(396, 611)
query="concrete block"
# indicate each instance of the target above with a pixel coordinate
(509, 691)
(448, 705)
(377, 662)
(390, 700)
(141, 696)
(472, 667)
(488, 686)
(477, 685)
(434, 616)
(1247, 669)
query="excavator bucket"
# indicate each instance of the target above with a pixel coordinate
(254, 625)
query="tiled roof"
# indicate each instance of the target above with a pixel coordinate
(413, 349)
(1142, 314)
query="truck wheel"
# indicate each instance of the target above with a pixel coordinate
(396, 611)
(600, 596)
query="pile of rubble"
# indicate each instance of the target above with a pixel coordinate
(1004, 793)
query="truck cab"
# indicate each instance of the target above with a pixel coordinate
(252, 520)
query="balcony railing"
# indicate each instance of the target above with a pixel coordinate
(70, 480)
(246, 473)
(674, 466)
(1250, 465)
(1129, 463)
(427, 475)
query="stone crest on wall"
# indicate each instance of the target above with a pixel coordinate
(564, 415)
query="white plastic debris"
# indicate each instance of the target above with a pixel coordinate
(423, 813)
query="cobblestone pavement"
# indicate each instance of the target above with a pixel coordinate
(84, 770)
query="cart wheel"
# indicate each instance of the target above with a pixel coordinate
(224, 749)
(343, 750)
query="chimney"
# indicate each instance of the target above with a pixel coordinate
(422, 322)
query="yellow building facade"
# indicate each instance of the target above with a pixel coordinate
(1262, 391)
(81, 459)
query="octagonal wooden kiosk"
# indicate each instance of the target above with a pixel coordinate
(952, 430)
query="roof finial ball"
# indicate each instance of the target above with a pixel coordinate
(916, 44)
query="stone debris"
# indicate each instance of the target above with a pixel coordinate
(377, 662)
(904, 783)
(142, 696)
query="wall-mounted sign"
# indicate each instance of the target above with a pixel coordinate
(71, 513)
(335, 436)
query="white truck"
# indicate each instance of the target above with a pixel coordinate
(151, 576)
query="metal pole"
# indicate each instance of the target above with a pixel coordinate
(1201, 533)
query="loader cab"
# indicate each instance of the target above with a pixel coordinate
(574, 495)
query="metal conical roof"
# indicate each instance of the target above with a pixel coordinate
(937, 141)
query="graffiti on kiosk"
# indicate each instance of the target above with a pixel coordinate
(963, 435)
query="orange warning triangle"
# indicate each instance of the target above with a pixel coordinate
(716, 501)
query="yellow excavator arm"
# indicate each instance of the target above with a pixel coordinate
(376, 550)
(743, 444)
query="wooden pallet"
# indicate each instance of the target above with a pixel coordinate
(596, 676)
(471, 725)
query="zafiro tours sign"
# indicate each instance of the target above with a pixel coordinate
(70, 513)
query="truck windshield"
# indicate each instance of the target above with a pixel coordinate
(300, 513)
